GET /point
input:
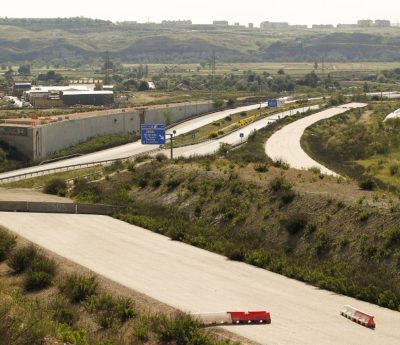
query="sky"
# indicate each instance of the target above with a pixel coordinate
(205, 11)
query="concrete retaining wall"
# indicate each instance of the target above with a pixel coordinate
(44, 140)
(55, 207)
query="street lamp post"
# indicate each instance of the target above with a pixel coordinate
(171, 136)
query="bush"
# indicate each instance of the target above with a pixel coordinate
(7, 243)
(109, 310)
(22, 258)
(160, 157)
(279, 184)
(368, 184)
(261, 168)
(181, 329)
(78, 287)
(296, 223)
(56, 186)
(35, 281)
(63, 312)
(40, 273)
(213, 135)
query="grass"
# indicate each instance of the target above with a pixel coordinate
(364, 150)
(95, 144)
(99, 318)
(266, 224)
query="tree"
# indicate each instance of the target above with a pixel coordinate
(366, 87)
(144, 86)
(316, 65)
(281, 72)
(24, 69)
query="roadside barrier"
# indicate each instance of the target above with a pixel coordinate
(234, 317)
(357, 316)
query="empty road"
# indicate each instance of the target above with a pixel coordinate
(285, 144)
(210, 147)
(132, 148)
(198, 281)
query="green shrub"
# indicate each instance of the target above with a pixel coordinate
(363, 216)
(173, 183)
(368, 184)
(296, 223)
(261, 167)
(394, 169)
(40, 273)
(35, 281)
(22, 258)
(279, 184)
(78, 287)
(56, 186)
(108, 310)
(181, 329)
(160, 157)
(63, 312)
(7, 243)
(213, 135)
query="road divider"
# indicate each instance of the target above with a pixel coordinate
(234, 318)
(357, 316)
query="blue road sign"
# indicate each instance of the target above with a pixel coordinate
(272, 103)
(242, 135)
(193, 135)
(152, 134)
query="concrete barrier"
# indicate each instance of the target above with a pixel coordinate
(55, 207)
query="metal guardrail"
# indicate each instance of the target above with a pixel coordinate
(72, 167)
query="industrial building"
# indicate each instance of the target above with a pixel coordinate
(78, 92)
(71, 98)
(20, 87)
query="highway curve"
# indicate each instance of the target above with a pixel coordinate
(210, 147)
(198, 281)
(285, 144)
(132, 148)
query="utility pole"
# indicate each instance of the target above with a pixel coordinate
(171, 138)
(212, 65)
(107, 69)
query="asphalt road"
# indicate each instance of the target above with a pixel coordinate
(132, 148)
(210, 147)
(285, 144)
(198, 281)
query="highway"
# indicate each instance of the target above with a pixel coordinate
(210, 147)
(198, 281)
(285, 144)
(132, 148)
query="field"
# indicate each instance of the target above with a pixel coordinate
(359, 144)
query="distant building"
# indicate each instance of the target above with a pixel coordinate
(20, 87)
(298, 26)
(221, 22)
(71, 98)
(365, 23)
(347, 26)
(382, 23)
(322, 26)
(251, 26)
(176, 22)
(274, 25)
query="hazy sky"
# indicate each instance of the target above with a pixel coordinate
(205, 11)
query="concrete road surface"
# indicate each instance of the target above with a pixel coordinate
(133, 148)
(198, 281)
(394, 115)
(285, 144)
(210, 147)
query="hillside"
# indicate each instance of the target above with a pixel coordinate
(80, 40)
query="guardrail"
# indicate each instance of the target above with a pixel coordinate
(72, 167)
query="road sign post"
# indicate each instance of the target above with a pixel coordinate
(272, 103)
(152, 134)
(241, 137)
